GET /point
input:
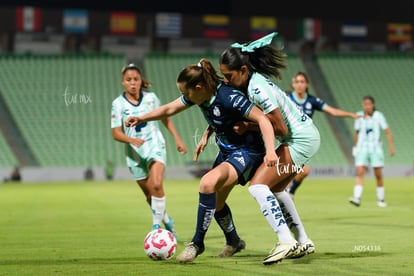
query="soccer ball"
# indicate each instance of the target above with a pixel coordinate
(160, 244)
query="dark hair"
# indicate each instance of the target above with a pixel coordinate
(266, 60)
(132, 66)
(370, 98)
(202, 72)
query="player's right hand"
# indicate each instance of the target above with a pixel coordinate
(137, 142)
(132, 121)
(240, 127)
(200, 148)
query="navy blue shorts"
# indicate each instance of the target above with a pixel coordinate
(245, 162)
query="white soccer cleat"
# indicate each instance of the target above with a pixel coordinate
(355, 201)
(190, 252)
(280, 252)
(382, 203)
(304, 249)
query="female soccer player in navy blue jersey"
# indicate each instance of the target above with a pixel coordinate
(239, 155)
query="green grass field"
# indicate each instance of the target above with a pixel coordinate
(97, 228)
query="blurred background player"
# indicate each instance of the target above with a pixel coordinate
(368, 149)
(145, 144)
(308, 104)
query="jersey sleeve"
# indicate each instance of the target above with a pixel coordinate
(157, 101)
(382, 121)
(239, 102)
(318, 103)
(116, 115)
(357, 124)
(186, 101)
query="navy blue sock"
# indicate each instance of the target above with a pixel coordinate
(224, 219)
(205, 213)
(295, 185)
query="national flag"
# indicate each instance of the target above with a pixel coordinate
(168, 24)
(310, 28)
(123, 23)
(28, 19)
(262, 25)
(399, 33)
(354, 31)
(75, 21)
(216, 26)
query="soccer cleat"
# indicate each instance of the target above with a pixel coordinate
(156, 226)
(190, 252)
(381, 203)
(230, 250)
(281, 251)
(355, 201)
(305, 248)
(170, 227)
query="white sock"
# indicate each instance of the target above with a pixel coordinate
(272, 211)
(166, 218)
(158, 209)
(380, 193)
(291, 216)
(357, 191)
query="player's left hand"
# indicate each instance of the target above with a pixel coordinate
(357, 116)
(132, 121)
(270, 159)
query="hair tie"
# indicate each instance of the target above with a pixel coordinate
(199, 65)
(258, 43)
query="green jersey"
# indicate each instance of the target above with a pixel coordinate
(268, 96)
(303, 137)
(369, 130)
(148, 131)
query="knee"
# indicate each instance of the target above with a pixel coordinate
(207, 185)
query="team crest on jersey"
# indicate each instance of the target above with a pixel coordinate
(308, 105)
(216, 111)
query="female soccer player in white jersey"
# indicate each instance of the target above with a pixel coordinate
(368, 148)
(248, 67)
(144, 143)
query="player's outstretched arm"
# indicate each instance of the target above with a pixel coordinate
(339, 112)
(159, 113)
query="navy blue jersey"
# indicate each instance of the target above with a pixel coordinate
(308, 104)
(222, 111)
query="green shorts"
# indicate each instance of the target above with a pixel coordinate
(140, 159)
(304, 145)
(374, 157)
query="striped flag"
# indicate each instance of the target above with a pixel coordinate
(168, 24)
(399, 33)
(75, 21)
(216, 26)
(123, 23)
(262, 25)
(354, 31)
(28, 19)
(309, 28)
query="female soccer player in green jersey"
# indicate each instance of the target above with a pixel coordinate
(368, 148)
(248, 68)
(144, 143)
